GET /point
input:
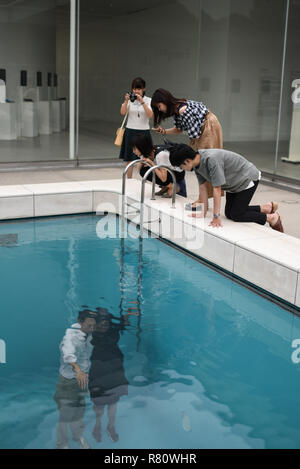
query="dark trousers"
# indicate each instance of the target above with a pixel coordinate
(237, 207)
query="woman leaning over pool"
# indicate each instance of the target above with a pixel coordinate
(202, 126)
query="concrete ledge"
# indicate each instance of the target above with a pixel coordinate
(257, 254)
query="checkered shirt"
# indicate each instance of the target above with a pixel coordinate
(192, 118)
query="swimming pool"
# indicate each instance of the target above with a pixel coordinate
(208, 362)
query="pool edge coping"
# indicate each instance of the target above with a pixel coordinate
(18, 193)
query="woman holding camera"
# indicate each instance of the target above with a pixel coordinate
(139, 111)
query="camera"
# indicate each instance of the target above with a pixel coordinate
(196, 208)
(132, 97)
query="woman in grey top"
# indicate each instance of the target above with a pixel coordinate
(230, 172)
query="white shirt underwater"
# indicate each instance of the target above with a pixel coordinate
(74, 348)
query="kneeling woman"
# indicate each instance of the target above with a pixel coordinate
(143, 147)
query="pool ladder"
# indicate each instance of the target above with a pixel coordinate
(141, 209)
(140, 251)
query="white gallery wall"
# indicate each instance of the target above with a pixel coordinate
(27, 42)
(227, 53)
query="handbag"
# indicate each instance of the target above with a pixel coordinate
(120, 132)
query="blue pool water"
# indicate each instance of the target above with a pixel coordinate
(208, 362)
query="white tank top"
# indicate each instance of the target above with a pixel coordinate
(137, 118)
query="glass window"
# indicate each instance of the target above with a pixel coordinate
(289, 137)
(225, 53)
(34, 74)
(240, 70)
(153, 39)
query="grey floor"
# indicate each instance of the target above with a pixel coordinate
(55, 147)
(96, 142)
(289, 202)
(262, 154)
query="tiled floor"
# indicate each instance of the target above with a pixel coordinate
(96, 142)
(289, 202)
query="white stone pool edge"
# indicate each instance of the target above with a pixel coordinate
(257, 254)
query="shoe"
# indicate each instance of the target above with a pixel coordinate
(113, 434)
(274, 207)
(278, 225)
(161, 192)
(166, 195)
(189, 206)
(83, 443)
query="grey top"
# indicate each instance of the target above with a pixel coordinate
(225, 168)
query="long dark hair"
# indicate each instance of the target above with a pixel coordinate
(143, 143)
(165, 97)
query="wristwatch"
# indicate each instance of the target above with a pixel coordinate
(216, 215)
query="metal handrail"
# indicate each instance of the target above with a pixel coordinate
(153, 168)
(133, 163)
(150, 170)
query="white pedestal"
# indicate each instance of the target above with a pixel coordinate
(8, 121)
(294, 153)
(55, 116)
(63, 114)
(2, 92)
(20, 100)
(30, 126)
(44, 117)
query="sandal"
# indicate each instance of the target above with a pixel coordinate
(161, 192)
(274, 207)
(278, 225)
(166, 195)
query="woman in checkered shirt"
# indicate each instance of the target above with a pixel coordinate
(202, 126)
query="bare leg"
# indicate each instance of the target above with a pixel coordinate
(62, 435)
(77, 425)
(130, 170)
(99, 410)
(170, 189)
(111, 412)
